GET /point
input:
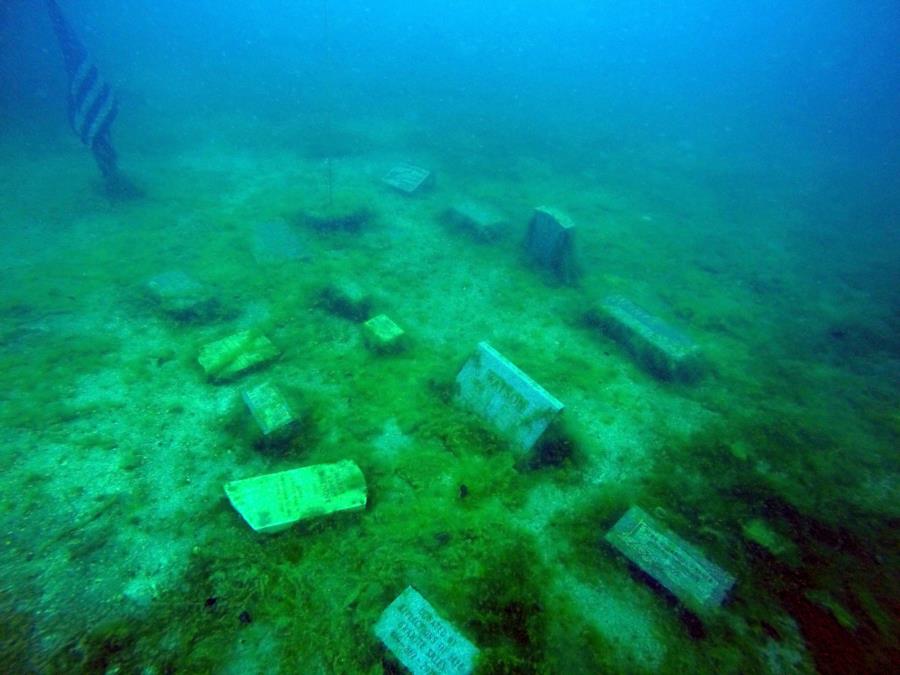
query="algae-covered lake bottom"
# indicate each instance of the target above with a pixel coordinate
(121, 553)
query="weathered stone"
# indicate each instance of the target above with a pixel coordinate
(661, 349)
(382, 335)
(275, 501)
(408, 178)
(421, 640)
(515, 405)
(270, 410)
(346, 299)
(236, 355)
(476, 221)
(275, 241)
(678, 566)
(550, 243)
(183, 298)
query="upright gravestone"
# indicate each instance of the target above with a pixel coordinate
(678, 566)
(515, 405)
(421, 640)
(550, 243)
(270, 410)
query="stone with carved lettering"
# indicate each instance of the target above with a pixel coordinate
(682, 569)
(421, 640)
(275, 501)
(270, 410)
(515, 405)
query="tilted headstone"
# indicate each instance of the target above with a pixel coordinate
(475, 220)
(515, 405)
(270, 410)
(382, 335)
(678, 566)
(658, 347)
(275, 501)
(408, 178)
(550, 243)
(421, 640)
(236, 354)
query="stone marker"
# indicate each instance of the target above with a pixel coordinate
(275, 501)
(674, 563)
(270, 410)
(421, 640)
(657, 346)
(346, 299)
(408, 178)
(517, 406)
(182, 297)
(235, 355)
(550, 243)
(382, 335)
(476, 221)
(275, 242)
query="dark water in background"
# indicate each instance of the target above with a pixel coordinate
(785, 116)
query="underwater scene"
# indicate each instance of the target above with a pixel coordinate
(379, 337)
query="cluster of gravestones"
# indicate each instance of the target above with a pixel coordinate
(488, 385)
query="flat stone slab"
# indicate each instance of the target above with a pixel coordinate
(270, 409)
(475, 220)
(236, 354)
(182, 297)
(550, 243)
(421, 640)
(660, 348)
(408, 179)
(275, 501)
(382, 335)
(682, 569)
(275, 242)
(505, 397)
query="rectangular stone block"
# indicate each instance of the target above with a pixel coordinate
(550, 243)
(182, 297)
(275, 241)
(235, 355)
(421, 640)
(475, 220)
(275, 501)
(678, 566)
(382, 335)
(515, 405)
(409, 179)
(270, 410)
(657, 346)
(346, 299)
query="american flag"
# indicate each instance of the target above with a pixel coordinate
(91, 102)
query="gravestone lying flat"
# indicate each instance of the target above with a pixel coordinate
(270, 410)
(515, 405)
(275, 501)
(475, 220)
(657, 346)
(550, 243)
(274, 242)
(382, 335)
(678, 566)
(235, 355)
(421, 640)
(409, 179)
(182, 297)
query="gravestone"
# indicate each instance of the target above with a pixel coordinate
(550, 243)
(515, 405)
(346, 299)
(270, 410)
(273, 502)
(383, 336)
(421, 640)
(657, 346)
(475, 220)
(182, 297)
(678, 566)
(235, 355)
(409, 179)
(275, 242)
